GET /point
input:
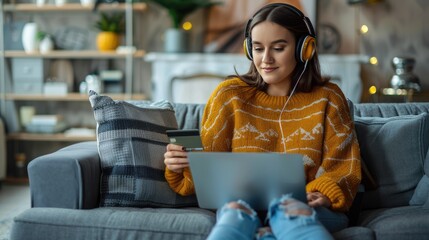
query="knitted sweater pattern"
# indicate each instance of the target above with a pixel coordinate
(239, 118)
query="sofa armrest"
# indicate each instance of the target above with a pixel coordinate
(67, 178)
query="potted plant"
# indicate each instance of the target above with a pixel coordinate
(111, 27)
(46, 44)
(178, 10)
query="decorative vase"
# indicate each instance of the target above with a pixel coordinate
(404, 78)
(29, 37)
(107, 41)
(40, 3)
(176, 40)
(46, 45)
(59, 3)
(93, 83)
(87, 2)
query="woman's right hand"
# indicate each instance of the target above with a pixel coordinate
(176, 159)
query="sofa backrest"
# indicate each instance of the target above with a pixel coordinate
(189, 115)
(396, 164)
(394, 139)
(389, 109)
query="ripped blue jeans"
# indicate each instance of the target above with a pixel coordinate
(236, 224)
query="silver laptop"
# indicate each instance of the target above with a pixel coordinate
(257, 178)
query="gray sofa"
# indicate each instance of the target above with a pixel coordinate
(393, 205)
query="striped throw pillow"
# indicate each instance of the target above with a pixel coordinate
(131, 142)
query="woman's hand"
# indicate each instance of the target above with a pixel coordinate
(175, 158)
(317, 199)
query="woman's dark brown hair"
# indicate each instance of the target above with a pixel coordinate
(284, 16)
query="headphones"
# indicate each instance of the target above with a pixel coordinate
(305, 46)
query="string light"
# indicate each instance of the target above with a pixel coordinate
(373, 60)
(364, 29)
(187, 26)
(372, 90)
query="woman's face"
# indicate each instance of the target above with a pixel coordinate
(273, 49)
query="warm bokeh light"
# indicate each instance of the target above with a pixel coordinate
(187, 26)
(373, 60)
(393, 91)
(364, 29)
(372, 90)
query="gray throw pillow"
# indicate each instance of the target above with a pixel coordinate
(131, 142)
(421, 194)
(394, 150)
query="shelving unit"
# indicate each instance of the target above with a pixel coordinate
(31, 7)
(129, 8)
(83, 54)
(48, 137)
(9, 100)
(68, 97)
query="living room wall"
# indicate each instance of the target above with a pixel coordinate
(396, 28)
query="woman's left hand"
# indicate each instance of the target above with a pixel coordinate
(317, 199)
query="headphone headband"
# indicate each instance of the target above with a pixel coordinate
(290, 7)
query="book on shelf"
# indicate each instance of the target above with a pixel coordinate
(46, 128)
(46, 119)
(46, 124)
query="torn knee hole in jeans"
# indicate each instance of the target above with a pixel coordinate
(295, 208)
(264, 232)
(241, 206)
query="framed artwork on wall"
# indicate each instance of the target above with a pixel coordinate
(227, 36)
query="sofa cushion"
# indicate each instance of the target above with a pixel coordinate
(131, 142)
(354, 233)
(408, 222)
(113, 223)
(394, 150)
(421, 194)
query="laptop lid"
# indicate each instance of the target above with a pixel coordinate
(257, 178)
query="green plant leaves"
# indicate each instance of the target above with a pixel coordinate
(179, 9)
(114, 22)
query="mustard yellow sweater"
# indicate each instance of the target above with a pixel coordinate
(238, 118)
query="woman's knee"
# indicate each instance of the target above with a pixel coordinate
(287, 207)
(241, 206)
(293, 207)
(294, 219)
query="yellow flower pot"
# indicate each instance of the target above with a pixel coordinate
(107, 41)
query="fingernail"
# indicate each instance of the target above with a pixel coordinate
(183, 148)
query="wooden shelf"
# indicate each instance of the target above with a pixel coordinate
(70, 7)
(16, 180)
(69, 97)
(48, 137)
(78, 54)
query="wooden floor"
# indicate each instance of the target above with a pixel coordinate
(14, 199)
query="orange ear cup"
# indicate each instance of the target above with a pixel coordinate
(308, 48)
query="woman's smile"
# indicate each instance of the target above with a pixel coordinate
(269, 69)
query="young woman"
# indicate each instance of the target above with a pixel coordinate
(281, 105)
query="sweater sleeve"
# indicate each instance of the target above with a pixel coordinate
(181, 183)
(340, 172)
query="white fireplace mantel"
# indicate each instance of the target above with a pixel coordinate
(344, 70)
